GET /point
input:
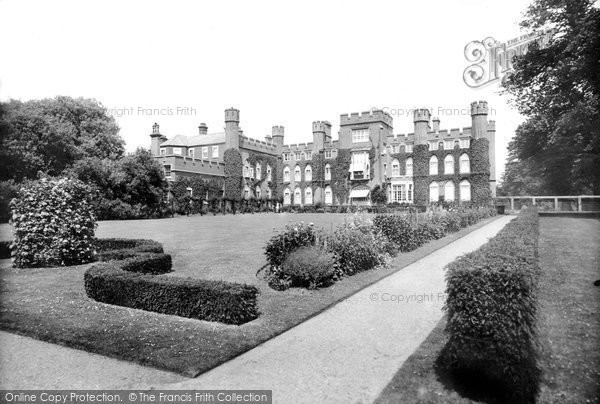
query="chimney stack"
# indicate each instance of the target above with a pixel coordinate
(203, 129)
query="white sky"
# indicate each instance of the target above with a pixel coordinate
(279, 63)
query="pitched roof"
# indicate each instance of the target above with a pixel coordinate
(198, 140)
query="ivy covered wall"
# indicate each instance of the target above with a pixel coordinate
(233, 175)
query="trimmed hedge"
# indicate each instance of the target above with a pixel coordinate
(208, 300)
(128, 278)
(148, 263)
(492, 307)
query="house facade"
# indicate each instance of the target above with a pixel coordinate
(425, 166)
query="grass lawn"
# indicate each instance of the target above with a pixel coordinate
(50, 303)
(569, 327)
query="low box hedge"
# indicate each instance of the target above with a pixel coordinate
(208, 300)
(130, 277)
(492, 307)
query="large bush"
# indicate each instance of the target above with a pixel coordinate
(294, 236)
(53, 224)
(308, 267)
(492, 308)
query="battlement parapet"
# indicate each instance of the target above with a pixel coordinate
(479, 108)
(372, 116)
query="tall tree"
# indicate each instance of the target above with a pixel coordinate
(49, 135)
(557, 87)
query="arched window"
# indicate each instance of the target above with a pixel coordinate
(434, 192)
(328, 196)
(409, 167)
(465, 190)
(308, 196)
(269, 177)
(307, 173)
(286, 174)
(257, 192)
(258, 171)
(297, 174)
(287, 196)
(327, 172)
(246, 171)
(251, 172)
(465, 164)
(395, 168)
(269, 195)
(297, 196)
(449, 191)
(246, 192)
(449, 164)
(433, 165)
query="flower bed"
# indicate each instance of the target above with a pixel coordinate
(361, 243)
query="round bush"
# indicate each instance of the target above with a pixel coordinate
(53, 224)
(308, 267)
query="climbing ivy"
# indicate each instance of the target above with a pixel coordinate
(233, 175)
(340, 183)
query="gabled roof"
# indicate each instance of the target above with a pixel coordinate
(198, 140)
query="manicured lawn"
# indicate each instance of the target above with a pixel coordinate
(569, 325)
(50, 304)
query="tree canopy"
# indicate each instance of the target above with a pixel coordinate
(557, 87)
(51, 134)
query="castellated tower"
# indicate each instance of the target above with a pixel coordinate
(421, 120)
(321, 135)
(479, 112)
(232, 128)
(482, 129)
(277, 134)
(420, 156)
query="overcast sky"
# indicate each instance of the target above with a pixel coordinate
(279, 63)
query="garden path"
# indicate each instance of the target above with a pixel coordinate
(349, 353)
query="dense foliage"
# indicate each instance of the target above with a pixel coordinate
(53, 224)
(556, 151)
(492, 309)
(50, 135)
(132, 187)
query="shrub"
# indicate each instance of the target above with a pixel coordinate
(491, 307)
(294, 236)
(356, 251)
(208, 300)
(398, 230)
(308, 267)
(53, 224)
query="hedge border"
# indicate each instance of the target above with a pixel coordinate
(135, 281)
(492, 311)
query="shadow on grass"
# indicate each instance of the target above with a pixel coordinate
(479, 383)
